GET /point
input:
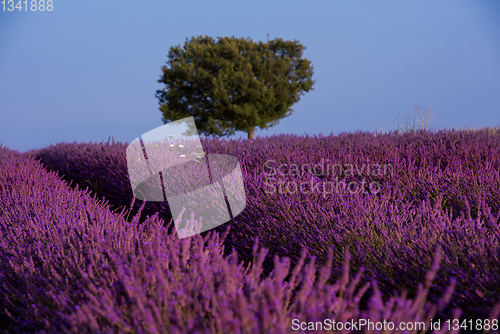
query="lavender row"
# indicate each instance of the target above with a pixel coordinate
(439, 188)
(69, 264)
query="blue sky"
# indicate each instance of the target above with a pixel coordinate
(88, 69)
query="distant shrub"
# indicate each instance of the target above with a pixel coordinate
(420, 120)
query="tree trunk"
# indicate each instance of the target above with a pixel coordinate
(251, 133)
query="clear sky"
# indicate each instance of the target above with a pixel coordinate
(88, 70)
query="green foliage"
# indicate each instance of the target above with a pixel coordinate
(233, 84)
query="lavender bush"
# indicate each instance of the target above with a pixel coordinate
(68, 264)
(444, 191)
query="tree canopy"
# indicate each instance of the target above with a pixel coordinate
(233, 84)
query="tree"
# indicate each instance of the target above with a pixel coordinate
(233, 84)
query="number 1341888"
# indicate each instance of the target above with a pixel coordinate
(27, 5)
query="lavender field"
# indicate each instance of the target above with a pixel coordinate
(397, 227)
